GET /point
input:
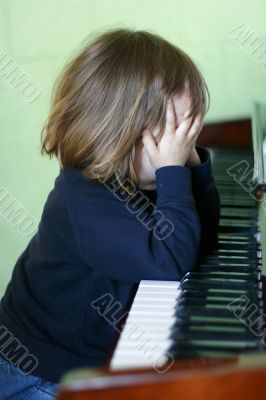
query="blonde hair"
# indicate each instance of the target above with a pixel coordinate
(114, 88)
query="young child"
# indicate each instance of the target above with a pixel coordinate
(134, 199)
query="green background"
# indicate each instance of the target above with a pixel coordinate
(41, 35)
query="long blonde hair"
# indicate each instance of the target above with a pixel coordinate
(114, 88)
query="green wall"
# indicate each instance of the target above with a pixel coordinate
(38, 36)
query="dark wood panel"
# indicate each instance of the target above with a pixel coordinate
(219, 380)
(235, 134)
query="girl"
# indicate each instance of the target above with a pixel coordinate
(134, 199)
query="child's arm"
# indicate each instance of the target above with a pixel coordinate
(205, 193)
(114, 241)
(206, 196)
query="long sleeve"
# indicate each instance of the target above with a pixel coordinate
(206, 197)
(116, 240)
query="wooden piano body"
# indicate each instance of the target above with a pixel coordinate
(242, 376)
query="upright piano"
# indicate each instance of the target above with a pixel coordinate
(203, 337)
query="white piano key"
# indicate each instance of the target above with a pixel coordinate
(159, 284)
(145, 337)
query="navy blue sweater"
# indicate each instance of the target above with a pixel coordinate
(91, 249)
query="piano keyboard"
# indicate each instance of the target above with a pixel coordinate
(215, 311)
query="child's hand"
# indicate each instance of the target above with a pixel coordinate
(193, 159)
(175, 145)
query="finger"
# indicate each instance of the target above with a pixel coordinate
(196, 127)
(184, 126)
(149, 144)
(170, 118)
(157, 134)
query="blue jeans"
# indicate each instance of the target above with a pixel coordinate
(16, 386)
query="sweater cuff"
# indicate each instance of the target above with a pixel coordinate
(201, 175)
(173, 183)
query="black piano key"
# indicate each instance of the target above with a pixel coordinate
(200, 322)
(181, 334)
(222, 284)
(229, 268)
(220, 276)
(189, 301)
(253, 296)
(217, 292)
(190, 351)
(228, 345)
(186, 319)
(219, 311)
(226, 296)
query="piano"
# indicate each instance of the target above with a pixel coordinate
(203, 337)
